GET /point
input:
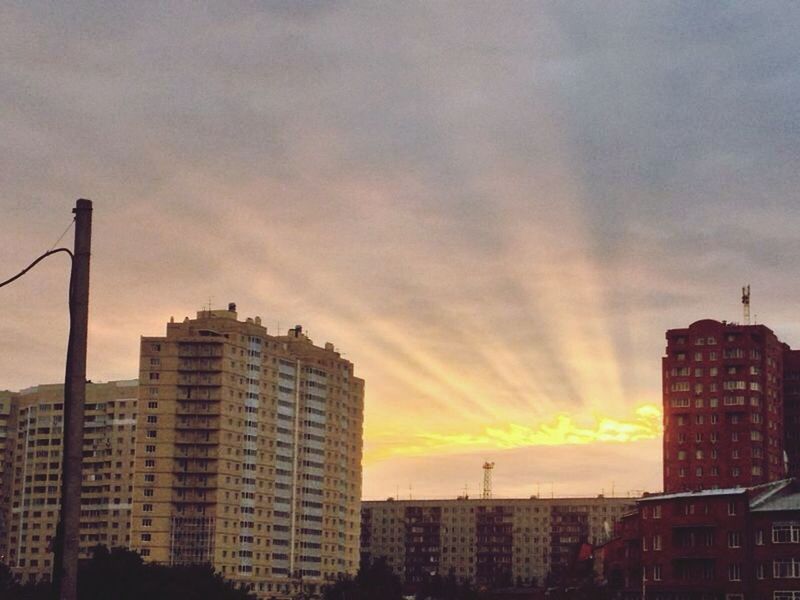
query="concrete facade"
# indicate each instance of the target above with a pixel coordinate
(487, 542)
(32, 472)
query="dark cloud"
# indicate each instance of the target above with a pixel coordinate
(499, 208)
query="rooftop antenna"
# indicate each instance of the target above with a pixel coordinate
(746, 303)
(487, 480)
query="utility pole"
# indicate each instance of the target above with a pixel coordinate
(67, 543)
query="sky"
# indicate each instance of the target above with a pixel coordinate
(494, 209)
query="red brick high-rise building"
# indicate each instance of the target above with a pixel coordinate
(723, 387)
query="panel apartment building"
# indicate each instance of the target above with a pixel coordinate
(494, 542)
(248, 454)
(31, 430)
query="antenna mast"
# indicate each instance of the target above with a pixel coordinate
(746, 303)
(487, 480)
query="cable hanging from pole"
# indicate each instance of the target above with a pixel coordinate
(34, 263)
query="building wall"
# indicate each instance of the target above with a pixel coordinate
(696, 544)
(8, 411)
(791, 403)
(723, 406)
(249, 454)
(775, 539)
(487, 542)
(34, 477)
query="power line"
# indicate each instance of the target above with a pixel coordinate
(34, 263)
(71, 223)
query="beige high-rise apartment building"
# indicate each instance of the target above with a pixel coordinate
(31, 429)
(248, 454)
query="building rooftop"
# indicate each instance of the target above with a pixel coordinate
(764, 490)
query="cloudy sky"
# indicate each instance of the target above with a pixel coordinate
(494, 209)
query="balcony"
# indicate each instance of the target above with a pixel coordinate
(199, 380)
(197, 423)
(200, 365)
(196, 438)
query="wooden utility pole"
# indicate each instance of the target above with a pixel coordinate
(68, 542)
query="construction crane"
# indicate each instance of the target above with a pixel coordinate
(487, 480)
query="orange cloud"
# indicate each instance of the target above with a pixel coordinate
(562, 430)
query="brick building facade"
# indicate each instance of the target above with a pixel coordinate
(723, 392)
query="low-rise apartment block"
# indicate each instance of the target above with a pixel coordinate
(489, 542)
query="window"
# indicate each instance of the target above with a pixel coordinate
(148, 492)
(146, 537)
(656, 511)
(731, 508)
(147, 508)
(713, 402)
(788, 568)
(680, 386)
(154, 376)
(656, 572)
(786, 533)
(735, 572)
(734, 539)
(787, 595)
(761, 571)
(732, 400)
(152, 419)
(760, 537)
(680, 402)
(656, 542)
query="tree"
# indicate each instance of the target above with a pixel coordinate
(121, 574)
(374, 581)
